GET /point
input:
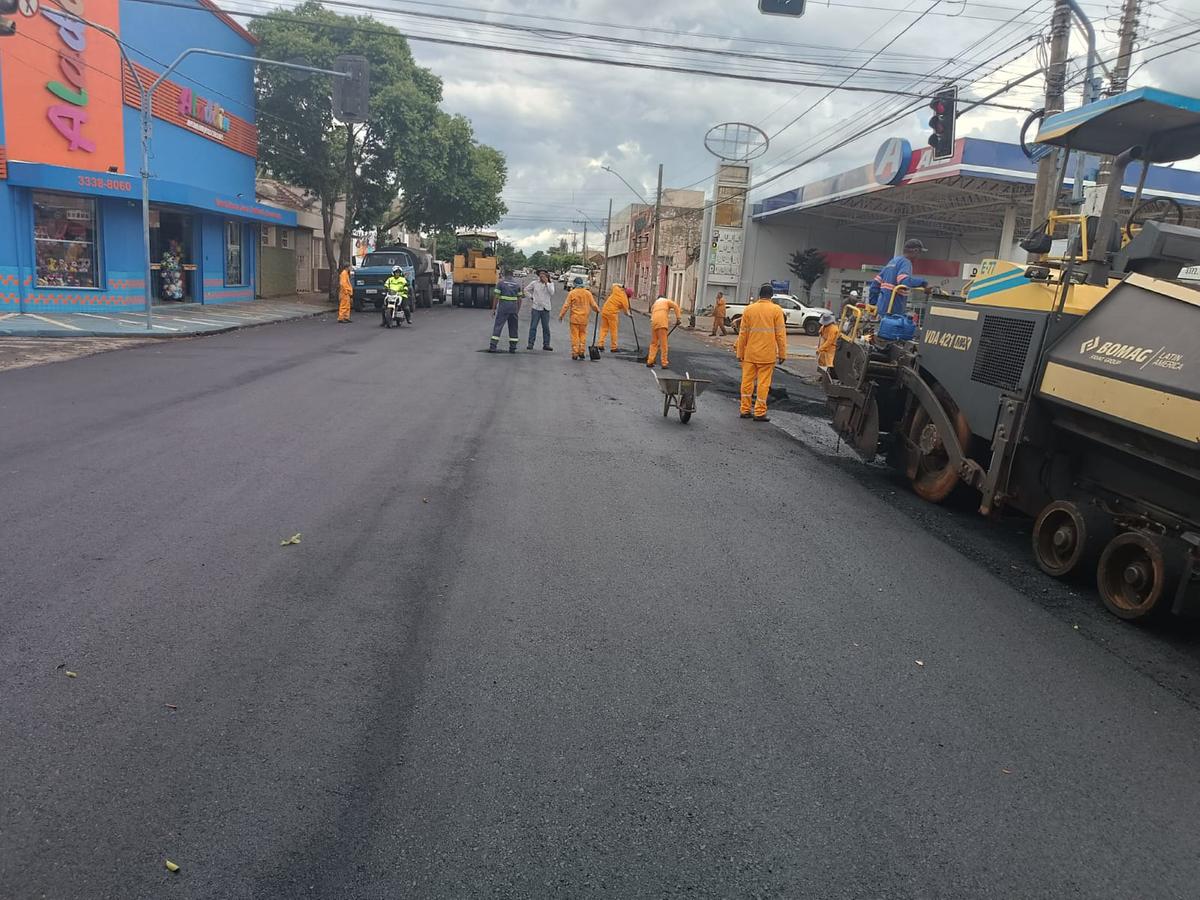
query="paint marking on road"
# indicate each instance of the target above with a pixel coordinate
(95, 316)
(143, 325)
(53, 322)
(8, 315)
(197, 321)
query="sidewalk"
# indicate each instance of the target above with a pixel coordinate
(169, 319)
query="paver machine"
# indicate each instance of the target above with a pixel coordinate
(1067, 388)
(475, 271)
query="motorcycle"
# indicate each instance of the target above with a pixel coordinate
(395, 309)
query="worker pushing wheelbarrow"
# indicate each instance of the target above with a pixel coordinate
(680, 393)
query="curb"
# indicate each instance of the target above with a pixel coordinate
(58, 333)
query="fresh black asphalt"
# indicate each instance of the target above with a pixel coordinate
(537, 640)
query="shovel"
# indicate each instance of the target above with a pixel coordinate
(594, 350)
(636, 342)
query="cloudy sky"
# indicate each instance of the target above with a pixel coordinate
(558, 121)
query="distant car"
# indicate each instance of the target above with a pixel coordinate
(796, 315)
(569, 276)
(443, 281)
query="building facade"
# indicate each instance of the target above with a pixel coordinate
(70, 151)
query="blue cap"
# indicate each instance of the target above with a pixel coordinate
(578, 282)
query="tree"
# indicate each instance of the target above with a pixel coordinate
(538, 260)
(408, 141)
(808, 265)
(510, 257)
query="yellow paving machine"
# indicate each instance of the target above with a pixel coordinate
(475, 271)
(1066, 388)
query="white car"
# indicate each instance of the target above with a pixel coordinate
(569, 276)
(796, 315)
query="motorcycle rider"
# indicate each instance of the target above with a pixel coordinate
(397, 284)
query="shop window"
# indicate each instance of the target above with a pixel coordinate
(64, 236)
(285, 238)
(234, 269)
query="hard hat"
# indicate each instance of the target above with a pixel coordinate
(578, 282)
(827, 318)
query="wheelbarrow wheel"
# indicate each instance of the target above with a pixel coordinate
(685, 415)
(666, 404)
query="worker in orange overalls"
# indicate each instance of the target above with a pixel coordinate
(345, 293)
(659, 328)
(581, 303)
(718, 315)
(616, 304)
(827, 343)
(761, 343)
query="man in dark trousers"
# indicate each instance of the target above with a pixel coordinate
(507, 304)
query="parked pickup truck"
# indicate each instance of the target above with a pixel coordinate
(797, 316)
(368, 278)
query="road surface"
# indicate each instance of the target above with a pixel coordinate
(537, 640)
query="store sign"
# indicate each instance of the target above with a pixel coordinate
(60, 81)
(891, 162)
(199, 110)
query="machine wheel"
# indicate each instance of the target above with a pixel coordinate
(378, 305)
(356, 303)
(389, 318)
(812, 326)
(1068, 538)
(685, 416)
(936, 476)
(736, 324)
(1138, 574)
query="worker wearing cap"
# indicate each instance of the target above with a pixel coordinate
(616, 305)
(718, 315)
(581, 303)
(889, 290)
(761, 343)
(827, 342)
(541, 294)
(507, 303)
(660, 314)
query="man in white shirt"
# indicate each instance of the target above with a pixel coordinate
(541, 295)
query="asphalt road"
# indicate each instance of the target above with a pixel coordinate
(537, 641)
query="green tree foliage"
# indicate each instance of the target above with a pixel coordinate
(510, 257)
(407, 144)
(808, 265)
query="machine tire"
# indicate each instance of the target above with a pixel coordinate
(1138, 574)
(356, 303)
(936, 477)
(812, 325)
(685, 416)
(1069, 537)
(736, 324)
(378, 305)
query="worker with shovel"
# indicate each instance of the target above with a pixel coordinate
(616, 304)
(761, 343)
(660, 314)
(581, 304)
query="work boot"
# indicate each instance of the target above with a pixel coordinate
(649, 365)
(530, 347)
(762, 418)
(491, 349)
(746, 416)
(512, 349)
(547, 347)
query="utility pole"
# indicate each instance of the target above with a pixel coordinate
(607, 239)
(1119, 79)
(657, 226)
(1046, 189)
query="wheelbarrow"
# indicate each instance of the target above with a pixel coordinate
(680, 393)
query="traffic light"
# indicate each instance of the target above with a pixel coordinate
(351, 95)
(781, 7)
(942, 122)
(7, 26)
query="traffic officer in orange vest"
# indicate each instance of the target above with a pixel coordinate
(659, 328)
(761, 343)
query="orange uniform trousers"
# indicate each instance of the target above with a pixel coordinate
(344, 306)
(756, 380)
(658, 338)
(579, 338)
(608, 326)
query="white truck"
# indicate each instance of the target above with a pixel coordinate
(797, 316)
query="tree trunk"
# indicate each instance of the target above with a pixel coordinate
(328, 205)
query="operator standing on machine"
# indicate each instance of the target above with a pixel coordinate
(889, 289)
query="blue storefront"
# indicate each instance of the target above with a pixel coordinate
(71, 237)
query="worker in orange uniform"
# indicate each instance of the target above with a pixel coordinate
(345, 293)
(659, 328)
(581, 303)
(827, 343)
(718, 315)
(761, 343)
(616, 304)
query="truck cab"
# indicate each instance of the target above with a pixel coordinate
(368, 279)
